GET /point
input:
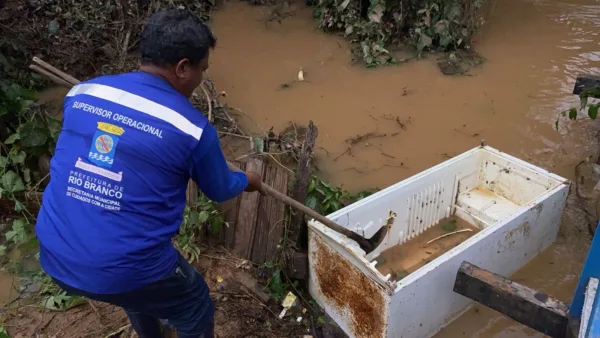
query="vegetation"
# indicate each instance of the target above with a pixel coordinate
(202, 216)
(592, 108)
(373, 25)
(326, 199)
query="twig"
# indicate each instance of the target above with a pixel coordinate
(118, 332)
(348, 150)
(258, 300)
(124, 49)
(359, 138)
(208, 101)
(280, 164)
(43, 327)
(449, 234)
(250, 117)
(236, 135)
(91, 302)
(221, 258)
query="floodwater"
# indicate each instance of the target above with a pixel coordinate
(534, 49)
(406, 258)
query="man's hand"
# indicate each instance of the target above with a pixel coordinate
(254, 182)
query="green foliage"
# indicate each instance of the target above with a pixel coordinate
(437, 25)
(276, 288)
(65, 30)
(26, 133)
(196, 219)
(442, 26)
(367, 36)
(592, 108)
(325, 199)
(21, 232)
(3, 332)
(56, 299)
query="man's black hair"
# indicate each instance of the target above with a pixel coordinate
(175, 34)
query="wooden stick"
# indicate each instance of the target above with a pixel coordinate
(61, 74)
(445, 235)
(51, 76)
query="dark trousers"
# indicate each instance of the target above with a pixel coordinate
(181, 298)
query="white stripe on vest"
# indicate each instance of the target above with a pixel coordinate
(140, 104)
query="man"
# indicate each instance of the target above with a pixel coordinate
(128, 146)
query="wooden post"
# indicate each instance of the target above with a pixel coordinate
(247, 215)
(301, 181)
(525, 305)
(586, 82)
(230, 210)
(271, 217)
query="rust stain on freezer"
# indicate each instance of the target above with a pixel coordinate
(350, 291)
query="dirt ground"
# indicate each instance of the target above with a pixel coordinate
(239, 310)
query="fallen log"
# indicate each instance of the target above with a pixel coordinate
(519, 302)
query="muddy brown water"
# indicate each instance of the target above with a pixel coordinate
(406, 258)
(533, 50)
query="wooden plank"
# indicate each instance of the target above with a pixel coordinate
(586, 82)
(246, 220)
(230, 210)
(301, 181)
(191, 194)
(525, 305)
(271, 214)
(277, 213)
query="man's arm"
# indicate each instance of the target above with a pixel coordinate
(209, 169)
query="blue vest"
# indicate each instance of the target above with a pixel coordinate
(118, 180)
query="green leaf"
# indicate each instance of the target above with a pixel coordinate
(19, 206)
(18, 158)
(53, 26)
(2, 252)
(593, 111)
(27, 175)
(215, 225)
(203, 216)
(336, 205)
(12, 138)
(3, 333)
(583, 100)
(32, 136)
(572, 114)
(3, 161)
(311, 186)
(11, 182)
(54, 127)
(424, 42)
(259, 144)
(312, 202)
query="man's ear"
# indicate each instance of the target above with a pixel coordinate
(181, 67)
